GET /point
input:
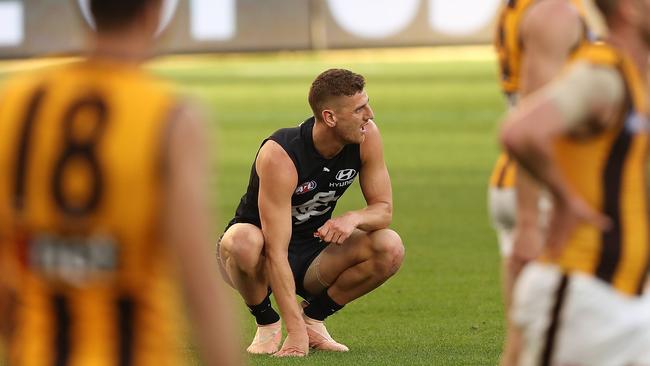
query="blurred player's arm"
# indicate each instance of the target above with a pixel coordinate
(550, 31)
(377, 191)
(187, 229)
(278, 180)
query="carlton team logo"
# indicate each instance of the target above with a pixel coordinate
(306, 187)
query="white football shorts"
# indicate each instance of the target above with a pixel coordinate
(578, 320)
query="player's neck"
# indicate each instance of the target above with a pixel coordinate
(124, 47)
(326, 142)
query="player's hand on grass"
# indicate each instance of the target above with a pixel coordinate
(295, 345)
(338, 230)
(569, 212)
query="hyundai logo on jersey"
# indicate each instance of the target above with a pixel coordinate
(346, 174)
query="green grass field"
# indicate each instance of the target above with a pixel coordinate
(437, 113)
(438, 119)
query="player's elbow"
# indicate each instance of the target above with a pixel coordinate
(387, 214)
(514, 138)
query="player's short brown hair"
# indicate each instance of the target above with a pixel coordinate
(114, 14)
(333, 83)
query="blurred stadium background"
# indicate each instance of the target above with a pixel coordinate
(250, 64)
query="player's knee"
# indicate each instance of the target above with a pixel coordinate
(245, 248)
(390, 251)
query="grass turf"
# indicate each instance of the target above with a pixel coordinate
(438, 124)
(437, 112)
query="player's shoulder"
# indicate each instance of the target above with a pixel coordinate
(286, 135)
(372, 145)
(598, 53)
(140, 80)
(551, 16)
(372, 131)
(274, 159)
(553, 11)
(293, 139)
(30, 78)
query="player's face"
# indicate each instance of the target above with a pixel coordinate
(353, 114)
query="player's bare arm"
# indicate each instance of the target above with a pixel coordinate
(186, 207)
(550, 31)
(375, 183)
(278, 180)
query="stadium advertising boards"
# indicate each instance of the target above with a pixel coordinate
(37, 27)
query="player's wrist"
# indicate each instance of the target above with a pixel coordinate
(355, 218)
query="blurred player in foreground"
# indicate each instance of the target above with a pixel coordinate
(585, 137)
(283, 236)
(103, 210)
(534, 39)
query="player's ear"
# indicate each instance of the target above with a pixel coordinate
(329, 118)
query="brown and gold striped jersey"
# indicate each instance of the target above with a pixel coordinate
(88, 278)
(510, 49)
(608, 170)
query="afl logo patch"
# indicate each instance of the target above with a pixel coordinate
(346, 174)
(306, 187)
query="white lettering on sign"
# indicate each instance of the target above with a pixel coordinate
(213, 20)
(374, 18)
(461, 17)
(11, 23)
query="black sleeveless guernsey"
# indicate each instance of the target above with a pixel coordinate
(321, 182)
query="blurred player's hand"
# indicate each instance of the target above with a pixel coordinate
(295, 345)
(569, 212)
(337, 230)
(528, 242)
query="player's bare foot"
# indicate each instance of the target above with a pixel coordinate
(267, 339)
(319, 337)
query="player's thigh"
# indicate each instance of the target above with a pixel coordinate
(359, 247)
(242, 244)
(534, 297)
